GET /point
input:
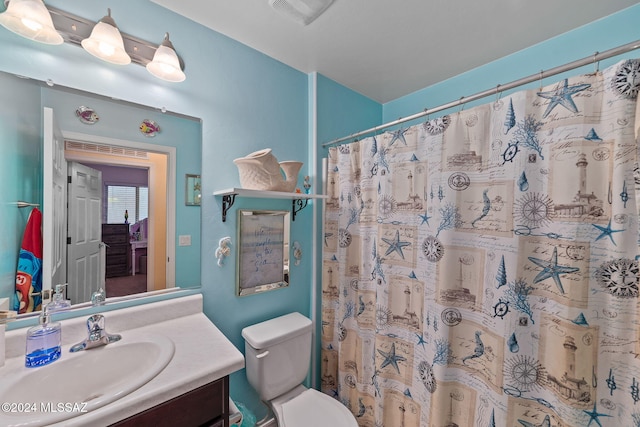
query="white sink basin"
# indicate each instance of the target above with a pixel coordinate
(81, 382)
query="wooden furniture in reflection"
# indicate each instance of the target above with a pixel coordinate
(116, 237)
(136, 244)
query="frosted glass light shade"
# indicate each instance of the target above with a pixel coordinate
(30, 19)
(165, 64)
(105, 42)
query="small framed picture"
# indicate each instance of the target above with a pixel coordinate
(193, 190)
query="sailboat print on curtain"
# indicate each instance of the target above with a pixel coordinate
(480, 268)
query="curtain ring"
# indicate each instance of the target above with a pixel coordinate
(498, 93)
(541, 73)
(596, 63)
(461, 104)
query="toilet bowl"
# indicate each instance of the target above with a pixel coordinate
(277, 356)
(311, 408)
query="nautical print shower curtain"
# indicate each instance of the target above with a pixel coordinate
(480, 269)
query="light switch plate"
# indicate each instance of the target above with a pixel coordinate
(184, 240)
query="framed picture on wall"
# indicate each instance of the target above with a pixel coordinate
(193, 190)
(263, 251)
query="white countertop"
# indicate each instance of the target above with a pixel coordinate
(202, 355)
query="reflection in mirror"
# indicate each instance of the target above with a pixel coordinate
(263, 251)
(109, 148)
(193, 190)
(132, 230)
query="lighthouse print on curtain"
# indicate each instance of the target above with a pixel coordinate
(480, 269)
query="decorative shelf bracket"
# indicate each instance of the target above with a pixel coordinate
(296, 206)
(227, 201)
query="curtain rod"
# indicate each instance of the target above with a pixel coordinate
(596, 57)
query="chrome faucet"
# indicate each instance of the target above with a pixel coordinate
(98, 336)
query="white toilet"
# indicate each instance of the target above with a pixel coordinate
(277, 353)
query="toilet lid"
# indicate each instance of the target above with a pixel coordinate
(312, 408)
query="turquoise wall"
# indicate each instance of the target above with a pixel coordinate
(341, 111)
(606, 33)
(20, 172)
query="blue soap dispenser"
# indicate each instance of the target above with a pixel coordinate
(43, 341)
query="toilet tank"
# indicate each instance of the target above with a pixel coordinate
(277, 354)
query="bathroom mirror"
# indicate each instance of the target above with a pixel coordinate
(263, 251)
(193, 190)
(115, 126)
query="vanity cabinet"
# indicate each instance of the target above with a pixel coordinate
(116, 237)
(205, 406)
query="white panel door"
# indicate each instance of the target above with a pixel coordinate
(84, 270)
(54, 212)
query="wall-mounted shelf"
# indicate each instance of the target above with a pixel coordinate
(298, 200)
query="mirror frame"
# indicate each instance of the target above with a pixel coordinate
(263, 251)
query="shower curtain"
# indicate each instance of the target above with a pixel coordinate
(480, 269)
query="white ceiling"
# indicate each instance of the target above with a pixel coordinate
(385, 49)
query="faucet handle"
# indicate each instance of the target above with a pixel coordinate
(95, 323)
(98, 336)
(97, 331)
(98, 297)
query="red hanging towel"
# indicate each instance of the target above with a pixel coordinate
(29, 272)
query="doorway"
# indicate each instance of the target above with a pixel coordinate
(124, 218)
(147, 233)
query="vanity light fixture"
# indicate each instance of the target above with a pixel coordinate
(34, 20)
(106, 42)
(165, 64)
(30, 19)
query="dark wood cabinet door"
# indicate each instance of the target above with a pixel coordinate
(205, 406)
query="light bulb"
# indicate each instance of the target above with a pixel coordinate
(31, 24)
(106, 48)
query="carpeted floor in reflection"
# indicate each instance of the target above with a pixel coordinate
(126, 285)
